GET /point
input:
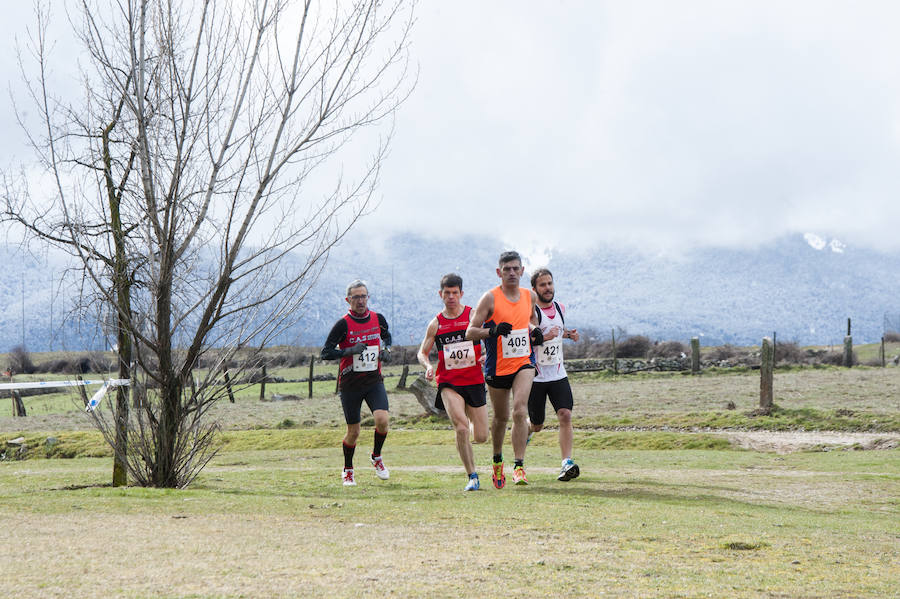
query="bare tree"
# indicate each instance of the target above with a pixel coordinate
(183, 181)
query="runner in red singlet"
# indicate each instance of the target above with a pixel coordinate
(358, 339)
(460, 381)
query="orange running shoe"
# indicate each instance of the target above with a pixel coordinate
(519, 477)
(497, 476)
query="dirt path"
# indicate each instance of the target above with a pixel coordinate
(787, 442)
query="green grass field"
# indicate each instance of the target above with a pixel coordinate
(667, 505)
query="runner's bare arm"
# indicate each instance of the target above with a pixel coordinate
(534, 309)
(476, 331)
(537, 335)
(570, 333)
(425, 348)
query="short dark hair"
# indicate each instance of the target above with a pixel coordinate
(540, 273)
(509, 256)
(451, 280)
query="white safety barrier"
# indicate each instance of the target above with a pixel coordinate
(95, 399)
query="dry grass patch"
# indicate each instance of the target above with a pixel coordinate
(636, 523)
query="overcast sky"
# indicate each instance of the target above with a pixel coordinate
(658, 124)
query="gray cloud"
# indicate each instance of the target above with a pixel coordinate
(656, 124)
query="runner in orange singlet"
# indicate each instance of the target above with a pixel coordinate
(504, 318)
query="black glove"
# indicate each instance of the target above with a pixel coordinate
(500, 329)
(386, 355)
(537, 336)
(359, 348)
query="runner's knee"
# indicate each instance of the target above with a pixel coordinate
(520, 413)
(381, 423)
(479, 436)
(352, 434)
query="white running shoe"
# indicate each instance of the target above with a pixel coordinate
(568, 471)
(380, 470)
(349, 479)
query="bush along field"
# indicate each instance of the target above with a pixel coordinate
(685, 491)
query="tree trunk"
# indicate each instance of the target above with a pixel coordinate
(165, 471)
(122, 292)
(170, 390)
(425, 393)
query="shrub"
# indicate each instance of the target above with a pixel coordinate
(635, 346)
(19, 361)
(837, 358)
(56, 366)
(291, 358)
(667, 349)
(723, 352)
(892, 337)
(99, 362)
(790, 352)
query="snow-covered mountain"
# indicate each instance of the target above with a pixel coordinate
(802, 287)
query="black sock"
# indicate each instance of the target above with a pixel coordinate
(348, 455)
(379, 443)
(519, 463)
(498, 457)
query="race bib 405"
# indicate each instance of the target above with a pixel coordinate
(515, 345)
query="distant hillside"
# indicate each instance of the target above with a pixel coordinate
(725, 296)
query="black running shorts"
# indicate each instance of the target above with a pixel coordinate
(374, 396)
(473, 395)
(559, 392)
(505, 381)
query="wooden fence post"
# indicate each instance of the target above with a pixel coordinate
(615, 359)
(18, 405)
(695, 355)
(766, 375)
(312, 361)
(262, 385)
(775, 345)
(848, 349)
(883, 360)
(81, 390)
(401, 384)
(228, 386)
